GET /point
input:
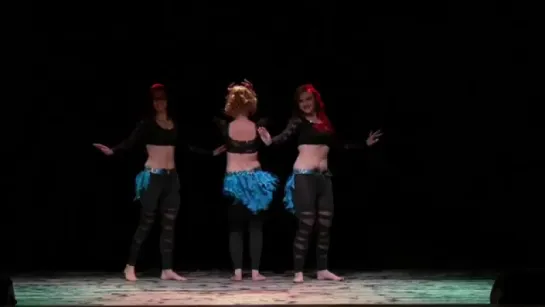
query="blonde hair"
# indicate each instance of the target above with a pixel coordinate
(240, 99)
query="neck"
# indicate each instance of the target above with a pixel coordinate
(241, 116)
(161, 116)
(312, 116)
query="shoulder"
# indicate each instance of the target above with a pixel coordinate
(296, 120)
(146, 121)
(220, 121)
(145, 124)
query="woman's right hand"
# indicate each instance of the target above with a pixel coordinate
(265, 135)
(105, 149)
(373, 137)
(219, 150)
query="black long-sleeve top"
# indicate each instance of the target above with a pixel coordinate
(148, 132)
(307, 134)
(240, 147)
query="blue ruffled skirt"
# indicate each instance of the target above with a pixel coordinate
(254, 189)
(143, 179)
(290, 186)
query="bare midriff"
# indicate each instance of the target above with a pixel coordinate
(312, 157)
(160, 157)
(242, 162)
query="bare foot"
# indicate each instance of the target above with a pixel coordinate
(237, 276)
(299, 278)
(130, 275)
(256, 276)
(171, 275)
(327, 275)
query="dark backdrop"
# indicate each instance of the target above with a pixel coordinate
(455, 86)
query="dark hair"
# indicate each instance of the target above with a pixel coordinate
(325, 123)
(158, 91)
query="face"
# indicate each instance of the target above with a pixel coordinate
(307, 103)
(160, 105)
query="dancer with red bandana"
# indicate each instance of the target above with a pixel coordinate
(157, 185)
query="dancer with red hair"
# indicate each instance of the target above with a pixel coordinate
(158, 185)
(309, 192)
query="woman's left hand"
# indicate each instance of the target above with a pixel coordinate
(230, 86)
(373, 137)
(218, 151)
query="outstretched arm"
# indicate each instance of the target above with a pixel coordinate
(350, 146)
(216, 152)
(374, 137)
(136, 135)
(222, 125)
(290, 130)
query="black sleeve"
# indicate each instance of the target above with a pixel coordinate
(352, 145)
(341, 144)
(262, 122)
(136, 136)
(223, 125)
(200, 151)
(291, 129)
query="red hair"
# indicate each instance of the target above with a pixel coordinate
(325, 123)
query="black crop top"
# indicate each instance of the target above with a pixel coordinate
(148, 132)
(308, 135)
(239, 147)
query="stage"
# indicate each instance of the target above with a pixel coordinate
(215, 288)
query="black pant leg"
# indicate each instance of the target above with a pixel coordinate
(256, 239)
(169, 205)
(149, 201)
(325, 218)
(238, 216)
(304, 198)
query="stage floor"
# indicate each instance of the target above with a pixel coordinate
(215, 288)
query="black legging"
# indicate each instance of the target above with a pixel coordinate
(313, 200)
(239, 217)
(163, 193)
